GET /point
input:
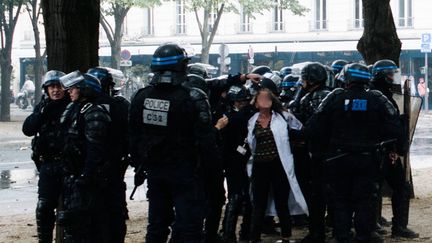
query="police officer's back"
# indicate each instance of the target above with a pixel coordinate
(170, 126)
(353, 122)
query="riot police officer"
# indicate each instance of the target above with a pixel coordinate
(351, 125)
(236, 156)
(171, 126)
(309, 171)
(289, 86)
(86, 125)
(118, 108)
(383, 74)
(43, 123)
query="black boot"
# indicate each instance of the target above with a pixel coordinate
(244, 233)
(400, 208)
(230, 219)
(45, 219)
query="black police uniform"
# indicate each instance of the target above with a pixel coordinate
(84, 215)
(234, 135)
(44, 124)
(396, 178)
(118, 108)
(170, 126)
(309, 170)
(350, 123)
(214, 183)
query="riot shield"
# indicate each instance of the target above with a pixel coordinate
(409, 107)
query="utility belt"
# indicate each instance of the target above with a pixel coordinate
(372, 149)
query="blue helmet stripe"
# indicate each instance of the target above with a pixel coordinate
(361, 76)
(161, 59)
(385, 67)
(337, 66)
(358, 71)
(164, 63)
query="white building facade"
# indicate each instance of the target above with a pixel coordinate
(329, 30)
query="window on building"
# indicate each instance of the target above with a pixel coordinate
(148, 27)
(405, 13)
(358, 14)
(245, 22)
(180, 17)
(277, 22)
(320, 15)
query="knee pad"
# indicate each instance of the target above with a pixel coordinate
(44, 206)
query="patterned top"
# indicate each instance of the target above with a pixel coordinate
(266, 149)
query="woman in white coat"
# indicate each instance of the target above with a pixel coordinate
(273, 167)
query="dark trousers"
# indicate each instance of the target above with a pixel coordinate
(395, 175)
(354, 189)
(115, 199)
(49, 190)
(176, 199)
(268, 176)
(215, 199)
(238, 202)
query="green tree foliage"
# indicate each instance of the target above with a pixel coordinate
(118, 9)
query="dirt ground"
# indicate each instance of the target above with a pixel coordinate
(21, 228)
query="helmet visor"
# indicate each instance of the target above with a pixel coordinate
(71, 79)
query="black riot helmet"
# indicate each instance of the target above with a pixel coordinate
(169, 57)
(52, 77)
(289, 82)
(261, 70)
(338, 65)
(285, 71)
(197, 69)
(106, 77)
(88, 84)
(314, 73)
(196, 81)
(238, 93)
(383, 70)
(356, 73)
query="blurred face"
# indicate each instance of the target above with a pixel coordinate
(55, 92)
(74, 93)
(263, 100)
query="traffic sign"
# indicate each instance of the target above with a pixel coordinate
(125, 63)
(426, 38)
(125, 55)
(223, 50)
(425, 48)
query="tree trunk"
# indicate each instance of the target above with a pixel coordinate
(72, 34)
(8, 20)
(116, 44)
(6, 71)
(38, 64)
(205, 50)
(380, 39)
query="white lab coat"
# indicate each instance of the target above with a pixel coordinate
(279, 127)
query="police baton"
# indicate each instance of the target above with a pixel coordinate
(336, 157)
(139, 179)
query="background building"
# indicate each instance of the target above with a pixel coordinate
(329, 30)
